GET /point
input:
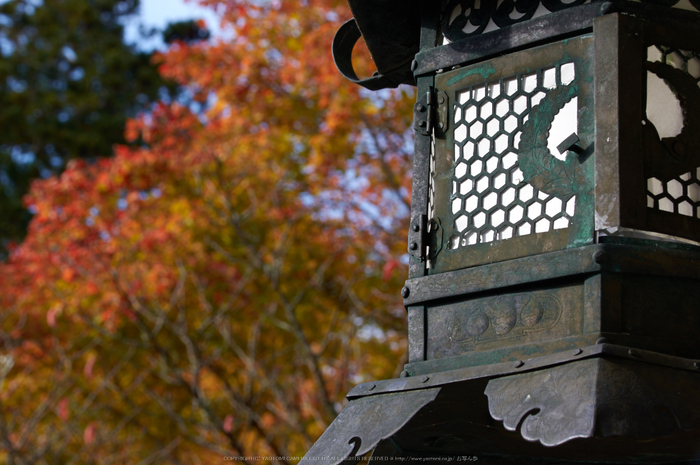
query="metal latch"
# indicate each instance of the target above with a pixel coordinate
(430, 112)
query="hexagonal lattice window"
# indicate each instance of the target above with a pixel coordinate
(497, 217)
(491, 200)
(680, 195)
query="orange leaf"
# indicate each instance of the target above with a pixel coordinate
(68, 274)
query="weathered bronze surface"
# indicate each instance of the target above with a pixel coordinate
(595, 397)
(629, 151)
(598, 403)
(365, 422)
(500, 133)
(558, 301)
(601, 411)
(554, 242)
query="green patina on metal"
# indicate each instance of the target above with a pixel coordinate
(484, 72)
(535, 144)
(483, 113)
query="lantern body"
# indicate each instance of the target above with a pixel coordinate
(554, 242)
(540, 250)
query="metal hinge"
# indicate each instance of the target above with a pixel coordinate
(418, 237)
(430, 112)
(424, 235)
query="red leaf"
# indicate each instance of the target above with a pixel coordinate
(228, 423)
(62, 409)
(89, 433)
(89, 364)
(51, 316)
(389, 266)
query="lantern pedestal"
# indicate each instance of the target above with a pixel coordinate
(600, 407)
(586, 387)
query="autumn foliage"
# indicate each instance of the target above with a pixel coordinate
(216, 288)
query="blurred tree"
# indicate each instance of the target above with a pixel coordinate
(185, 31)
(217, 291)
(68, 82)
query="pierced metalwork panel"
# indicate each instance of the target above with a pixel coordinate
(680, 195)
(467, 18)
(514, 164)
(490, 120)
(670, 130)
(648, 127)
(673, 124)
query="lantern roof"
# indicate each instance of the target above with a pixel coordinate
(471, 31)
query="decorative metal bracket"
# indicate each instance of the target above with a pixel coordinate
(366, 421)
(595, 397)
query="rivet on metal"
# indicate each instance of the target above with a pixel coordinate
(424, 379)
(416, 227)
(633, 353)
(405, 292)
(578, 351)
(441, 99)
(423, 124)
(519, 363)
(420, 107)
(413, 246)
(696, 365)
(600, 257)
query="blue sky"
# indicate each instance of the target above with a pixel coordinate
(158, 13)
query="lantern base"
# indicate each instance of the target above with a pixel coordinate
(606, 404)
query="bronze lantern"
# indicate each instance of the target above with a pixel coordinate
(554, 285)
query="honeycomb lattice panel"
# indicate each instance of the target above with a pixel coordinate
(490, 198)
(680, 195)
